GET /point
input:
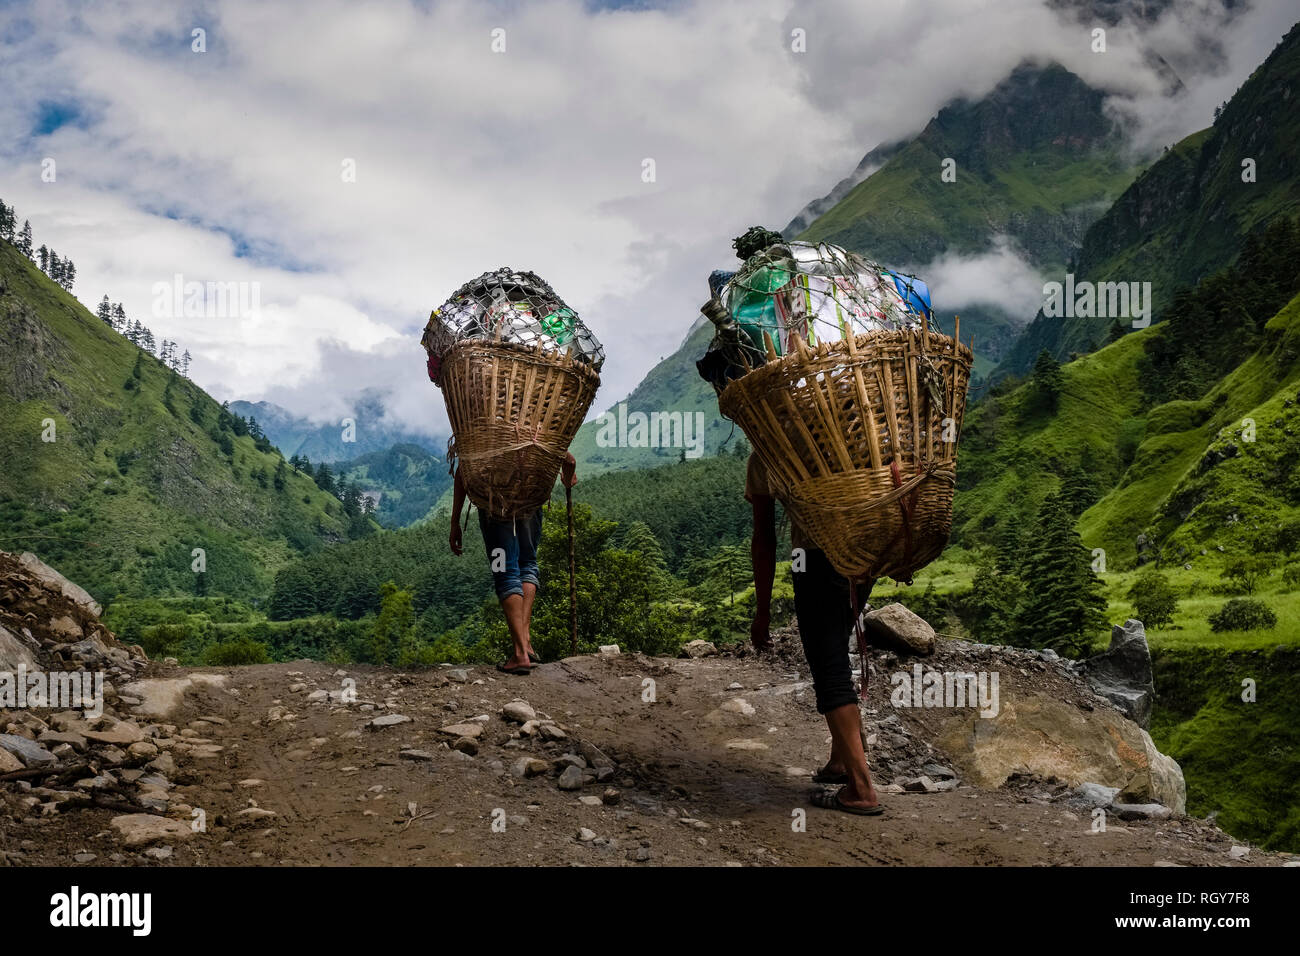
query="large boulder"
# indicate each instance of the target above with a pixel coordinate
(1040, 733)
(897, 628)
(1122, 673)
(53, 579)
(15, 653)
(160, 696)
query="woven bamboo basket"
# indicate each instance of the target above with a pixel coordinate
(859, 437)
(514, 409)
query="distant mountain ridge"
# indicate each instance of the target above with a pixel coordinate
(370, 431)
(1187, 214)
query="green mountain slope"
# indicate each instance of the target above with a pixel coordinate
(1174, 472)
(674, 385)
(1036, 160)
(1186, 215)
(408, 479)
(134, 478)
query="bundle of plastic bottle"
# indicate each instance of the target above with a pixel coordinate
(514, 307)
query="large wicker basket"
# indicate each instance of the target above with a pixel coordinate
(513, 409)
(859, 438)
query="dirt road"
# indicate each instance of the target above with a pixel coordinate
(711, 758)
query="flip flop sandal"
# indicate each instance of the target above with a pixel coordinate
(830, 800)
(516, 671)
(828, 776)
(534, 658)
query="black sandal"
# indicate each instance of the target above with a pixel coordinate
(830, 800)
(517, 671)
(532, 656)
(826, 775)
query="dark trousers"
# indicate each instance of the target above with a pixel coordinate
(821, 602)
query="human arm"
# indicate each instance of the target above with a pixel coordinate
(457, 505)
(762, 550)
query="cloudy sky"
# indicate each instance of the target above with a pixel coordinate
(230, 164)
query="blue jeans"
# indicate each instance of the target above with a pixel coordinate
(512, 551)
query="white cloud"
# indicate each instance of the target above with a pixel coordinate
(1000, 277)
(226, 165)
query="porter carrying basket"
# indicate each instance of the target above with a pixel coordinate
(859, 437)
(518, 372)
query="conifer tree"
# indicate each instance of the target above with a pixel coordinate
(1063, 606)
(1047, 380)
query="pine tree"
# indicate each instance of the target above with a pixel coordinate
(1047, 380)
(6, 222)
(1079, 489)
(42, 257)
(185, 363)
(56, 267)
(325, 478)
(25, 239)
(638, 537)
(119, 318)
(69, 274)
(1064, 604)
(350, 495)
(105, 312)
(294, 594)
(392, 639)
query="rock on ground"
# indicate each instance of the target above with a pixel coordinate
(896, 627)
(141, 829)
(1122, 673)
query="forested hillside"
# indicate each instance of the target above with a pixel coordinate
(117, 467)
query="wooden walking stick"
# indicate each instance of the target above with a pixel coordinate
(573, 583)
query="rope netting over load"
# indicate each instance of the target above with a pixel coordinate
(518, 371)
(851, 398)
(518, 308)
(817, 291)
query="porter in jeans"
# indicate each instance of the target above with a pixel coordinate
(512, 555)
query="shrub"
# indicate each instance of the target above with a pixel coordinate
(1243, 614)
(1291, 576)
(1154, 600)
(1245, 574)
(163, 640)
(235, 653)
